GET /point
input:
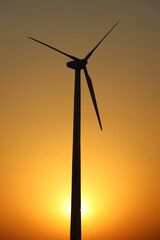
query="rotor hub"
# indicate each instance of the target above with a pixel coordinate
(77, 64)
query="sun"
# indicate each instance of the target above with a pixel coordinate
(85, 210)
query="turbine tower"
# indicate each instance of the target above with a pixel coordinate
(78, 64)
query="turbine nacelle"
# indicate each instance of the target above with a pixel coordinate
(77, 64)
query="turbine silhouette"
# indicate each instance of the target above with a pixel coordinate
(78, 64)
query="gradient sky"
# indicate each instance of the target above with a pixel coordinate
(121, 164)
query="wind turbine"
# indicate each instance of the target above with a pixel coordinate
(78, 64)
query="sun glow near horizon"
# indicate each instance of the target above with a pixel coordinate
(86, 208)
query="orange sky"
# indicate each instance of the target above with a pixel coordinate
(121, 164)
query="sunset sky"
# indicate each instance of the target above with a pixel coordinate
(121, 164)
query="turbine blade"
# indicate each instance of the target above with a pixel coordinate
(91, 52)
(90, 86)
(70, 56)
